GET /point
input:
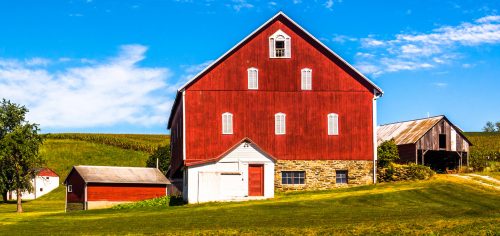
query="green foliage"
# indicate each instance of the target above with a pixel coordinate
(19, 145)
(489, 127)
(138, 142)
(387, 153)
(163, 155)
(485, 149)
(395, 172)
(155, 202)
(443, 205)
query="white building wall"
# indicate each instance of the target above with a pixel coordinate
(227, 179)
(41, 186)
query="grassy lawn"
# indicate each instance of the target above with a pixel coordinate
(61, 154)
(444, 205)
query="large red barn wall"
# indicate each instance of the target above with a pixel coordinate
(124, 192)
(176, 140)
(78, 187)
(224, 89)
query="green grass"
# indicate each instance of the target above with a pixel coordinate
(443, 205)
(62, 154)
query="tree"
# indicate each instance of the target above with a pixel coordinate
(19, 145)
(11, 115)
(20, 154)
(489, 127)
(162, 155)
(497, 125)
(387, 153)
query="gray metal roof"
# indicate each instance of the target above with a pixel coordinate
(117, 174)
(406, 132)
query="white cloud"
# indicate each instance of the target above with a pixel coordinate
(240, 4)
(440, 84)
(343, 38)
(416, 51)
(110, 92)
(329, 4)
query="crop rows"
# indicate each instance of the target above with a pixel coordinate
(138, 142)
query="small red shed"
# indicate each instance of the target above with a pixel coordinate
(92, 187)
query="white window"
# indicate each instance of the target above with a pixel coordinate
(306, 79)
(280, 45)
(70, 188)
(333, 124)
(253, 78)
(279, 123)
(227, 123)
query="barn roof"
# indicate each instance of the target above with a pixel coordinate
(409, 132)
(122, 175)
(280, 15)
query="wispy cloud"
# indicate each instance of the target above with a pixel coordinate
(112, 91)
(440, 84)
(240, 4)
(416, 51)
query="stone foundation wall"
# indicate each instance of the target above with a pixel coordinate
(320, 174)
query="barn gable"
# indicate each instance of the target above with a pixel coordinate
(280, 22)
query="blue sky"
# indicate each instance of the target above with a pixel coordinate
(114, 66)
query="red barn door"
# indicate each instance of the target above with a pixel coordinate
(256, 180)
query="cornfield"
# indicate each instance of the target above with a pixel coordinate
(138, 142)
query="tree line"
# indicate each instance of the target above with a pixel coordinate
(492, 127)
(19, 147)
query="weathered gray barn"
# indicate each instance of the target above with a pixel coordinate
(433, 141)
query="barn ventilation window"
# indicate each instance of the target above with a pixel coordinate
(333, 124)
(341, 176)
(306, 79)
(253, 78)
(70, 188)
(227, 123)
(279, 123)
(442, 141)
(293, 177)
(280, 45)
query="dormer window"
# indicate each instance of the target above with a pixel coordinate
(280, 45)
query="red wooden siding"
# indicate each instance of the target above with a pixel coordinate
(78, 187)
(176, 141)
(335, 89)
(255, 180)
(124, 192)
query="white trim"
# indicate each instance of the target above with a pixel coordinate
(257, 30)
(287, 43)
(280, 126)
(184, 125)
(249, 70)
(374, 119)
(85, 198)
(70, 188)
(66, 200)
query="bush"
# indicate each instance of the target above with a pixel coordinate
(387, 153)
(395, 172)
(155, 202)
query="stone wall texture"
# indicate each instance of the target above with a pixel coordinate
(320, 174)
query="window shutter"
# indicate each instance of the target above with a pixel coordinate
(288, 50)
(271, 48)
(229, 124)
(303, 80)
(276, 124)
(333, 124)
(309, 79)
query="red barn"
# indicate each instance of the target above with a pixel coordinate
(279, 110)
(92, 187)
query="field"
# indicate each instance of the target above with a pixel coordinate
(443, 205)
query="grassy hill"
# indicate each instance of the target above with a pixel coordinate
(443, 205)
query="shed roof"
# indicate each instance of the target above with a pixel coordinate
(406, 132)
(117, 174)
